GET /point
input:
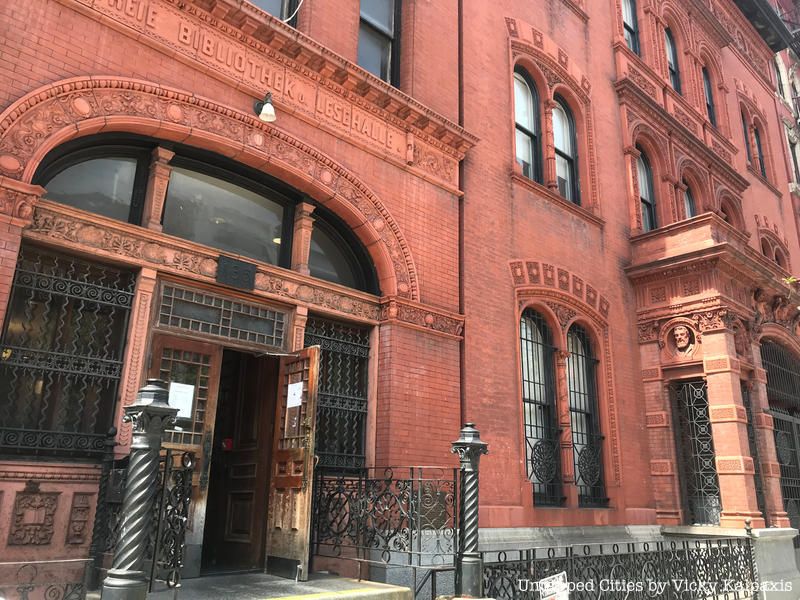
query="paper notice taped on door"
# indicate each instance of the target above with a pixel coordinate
(294, 395)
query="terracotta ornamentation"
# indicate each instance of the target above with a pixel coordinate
(32, 517)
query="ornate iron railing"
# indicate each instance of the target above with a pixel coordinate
(170, 516)
(722, 568)
(391, 515)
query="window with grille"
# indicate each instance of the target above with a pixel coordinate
(754, 454)
(587, 440)
(695, 449)
(342, 399)
(61, 354)
(542, 453)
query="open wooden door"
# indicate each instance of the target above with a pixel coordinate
(291, 481)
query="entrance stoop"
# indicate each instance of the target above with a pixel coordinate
(260, 586)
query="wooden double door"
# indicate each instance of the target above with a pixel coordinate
(250, 421)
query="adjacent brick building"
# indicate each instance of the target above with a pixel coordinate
(569, 222)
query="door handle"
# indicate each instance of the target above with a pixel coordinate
(206, 460)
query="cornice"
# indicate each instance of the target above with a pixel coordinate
(259, 36)
(713, 24)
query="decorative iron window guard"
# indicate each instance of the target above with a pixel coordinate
(678, 569)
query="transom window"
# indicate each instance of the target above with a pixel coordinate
(566, 151)
(210, 200)
(672, 61)
(542, 452)
(584, 418)
(526, 115)
(378, 38)
(630, 23)
(709, 95)
(646, 192)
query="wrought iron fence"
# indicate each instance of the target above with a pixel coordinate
(720, 568)
(391, 515)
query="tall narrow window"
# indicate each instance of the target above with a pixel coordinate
(688, 202)
(646, 193)
(378, 37)
(762, 165)
(631, 24)
(746, 133)
(672, 61)
(566, 151)
(285, 10)
(584, 418)
(712, 115)
(795, 162)
(526, 114)
(779, 78)
(539, 401)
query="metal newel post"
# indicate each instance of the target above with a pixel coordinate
(101, 525)
(150, 415)
(469, 571)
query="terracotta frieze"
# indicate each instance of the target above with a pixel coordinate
(33, 516)
(28, 127)
(305, 79)
(53, 223)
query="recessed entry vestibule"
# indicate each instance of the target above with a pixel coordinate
(247, 411)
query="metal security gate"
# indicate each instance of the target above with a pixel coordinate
(61, 354)
(342, 401)
(695, 450)
(783, 394)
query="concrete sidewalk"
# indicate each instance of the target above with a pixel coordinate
(259, 586)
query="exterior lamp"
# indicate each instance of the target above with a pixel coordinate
(265, 110)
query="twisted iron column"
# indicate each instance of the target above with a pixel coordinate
(469, 568)
(150, 415)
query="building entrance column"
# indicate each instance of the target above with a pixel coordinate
(728, 418)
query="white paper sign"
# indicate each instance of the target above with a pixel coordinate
(181, 396)
(554, 587)
(294, 395)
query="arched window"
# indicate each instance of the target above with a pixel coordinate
(688, 202)
(108, 181)
(672, 61)
(566, 151)
(762, 165)
(542, 452)
(210, 200)
(584, 418)
(630, 22)
(647, 196)
(526, 112)
(746, 132)
(712, 115)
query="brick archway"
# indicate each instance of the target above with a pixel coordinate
(81, 106)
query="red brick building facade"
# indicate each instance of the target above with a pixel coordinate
(567, 221)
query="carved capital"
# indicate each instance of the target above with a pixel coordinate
(17, 199)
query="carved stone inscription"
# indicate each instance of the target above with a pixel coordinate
(259, 67)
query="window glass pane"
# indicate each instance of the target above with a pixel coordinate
(629, 13)
(564, 175)
(374, 51)
(525, 153)
(672, 56)
(217, 213)
(381, 12)
(329, 261)
(523, 104)
(688, 201)
(102, 185)
(760, 152)
(562, 131)
(273, 7)
(645, 184)
(746, 134)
